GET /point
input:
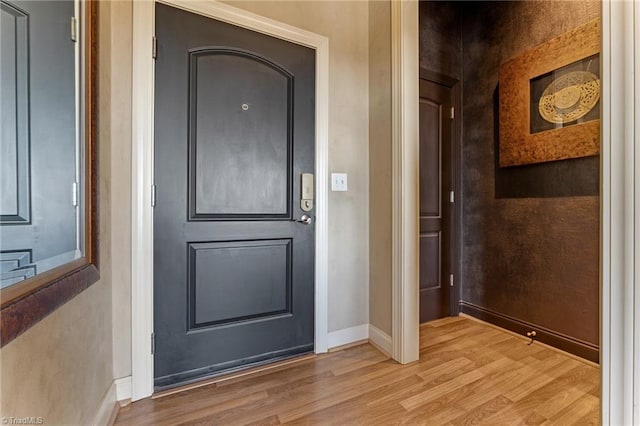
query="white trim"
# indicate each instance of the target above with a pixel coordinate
(142, 213)
(380, 339)
(404, 71)
(620, 156)
(123, 388)
(108, 404)
(348, 335)
(142, 171)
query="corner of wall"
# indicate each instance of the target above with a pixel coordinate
(381, 340)
(359, 333)
(107, 409)
(379, 27)
(118, 44)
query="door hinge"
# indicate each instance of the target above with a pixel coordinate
(453, 113)
(74, 29)
(452, 197)
(74, 194)
(153, 343)
(153, 195)
(451, 280)
(154, 47)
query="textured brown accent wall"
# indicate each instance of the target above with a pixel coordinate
(530, 233)
(440, 38)
(530, 249)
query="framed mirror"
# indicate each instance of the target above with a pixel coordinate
(48, 167)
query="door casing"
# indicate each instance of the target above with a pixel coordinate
(142, 171)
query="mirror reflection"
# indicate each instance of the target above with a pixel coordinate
(40, 142)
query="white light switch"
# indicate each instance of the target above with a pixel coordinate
(338, 181)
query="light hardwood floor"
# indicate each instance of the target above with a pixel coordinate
(468, 373)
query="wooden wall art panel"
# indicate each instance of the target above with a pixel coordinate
(571, 139)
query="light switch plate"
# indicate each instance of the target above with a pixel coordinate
(338, 181)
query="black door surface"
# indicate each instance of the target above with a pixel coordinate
(234, 132)
(435, 206)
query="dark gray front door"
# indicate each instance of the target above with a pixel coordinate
(234, 132)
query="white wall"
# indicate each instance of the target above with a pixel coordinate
(117, 40)
(380, 165)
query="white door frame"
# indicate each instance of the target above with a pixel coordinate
(405, 176)
(620, 214)
(142, 171)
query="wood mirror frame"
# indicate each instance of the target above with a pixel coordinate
(26, 303)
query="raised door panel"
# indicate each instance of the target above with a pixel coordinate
(240, 137)
(236, 281)
(430, 159)
(430, 261)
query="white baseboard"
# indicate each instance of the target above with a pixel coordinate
(348, 335)
(123, 388)
(103, 416)
(380, 339)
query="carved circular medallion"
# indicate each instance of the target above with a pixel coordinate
(569, 97)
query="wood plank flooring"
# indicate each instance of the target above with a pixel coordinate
(468, 373)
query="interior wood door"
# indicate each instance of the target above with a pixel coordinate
(233, 263)
(435, 203)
